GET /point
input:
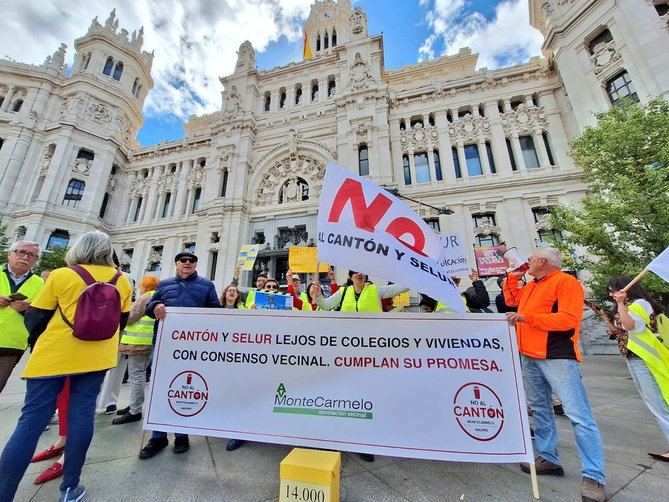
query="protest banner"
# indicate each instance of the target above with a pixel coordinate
(375, 383)
(247, 256)
(490, 260)
(303, 259)
(365, 228)
(272, 301)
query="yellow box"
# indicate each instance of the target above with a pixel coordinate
(310, 476)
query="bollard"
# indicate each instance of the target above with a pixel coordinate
(310, 476)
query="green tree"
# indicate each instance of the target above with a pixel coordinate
(51, 259)
(623, 221)
(5, 242)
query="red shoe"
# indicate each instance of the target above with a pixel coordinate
(50, 452)
(53, 472)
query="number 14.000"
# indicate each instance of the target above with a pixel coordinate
(307, 494)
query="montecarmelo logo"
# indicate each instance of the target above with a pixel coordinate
(321, 405)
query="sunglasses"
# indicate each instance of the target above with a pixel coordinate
(271, 286)
(187, 260)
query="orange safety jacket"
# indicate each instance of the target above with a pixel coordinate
(553, 307)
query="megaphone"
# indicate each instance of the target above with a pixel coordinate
(516, 263)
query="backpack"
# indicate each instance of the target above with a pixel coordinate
(98, 312)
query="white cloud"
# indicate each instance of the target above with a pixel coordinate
(195, 41)
(505, 39)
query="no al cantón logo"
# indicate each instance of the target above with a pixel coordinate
(478, 411)
(188, 393)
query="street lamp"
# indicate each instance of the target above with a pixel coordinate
(396, 193)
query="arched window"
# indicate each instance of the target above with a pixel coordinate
(85, 60)
(332, 87)
(282, 99)
(334, 37)
(298, 94)
(403, 125)
(407, 169)
(314, 91)
(58, 239)
(363, 160)
(318, 42)
(196, 200)
(268, 101)
(17, 105)
(118, 71)
(108, 66)
(74, 193)
(326, 40)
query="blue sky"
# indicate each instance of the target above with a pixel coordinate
(195, 41)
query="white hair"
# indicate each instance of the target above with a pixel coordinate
(551, 255)
(17, 244)
(92, 248)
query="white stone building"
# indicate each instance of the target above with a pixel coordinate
(488, 145)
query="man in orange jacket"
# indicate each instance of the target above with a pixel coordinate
(547, 323)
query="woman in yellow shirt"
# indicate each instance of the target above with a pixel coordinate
(56, 355)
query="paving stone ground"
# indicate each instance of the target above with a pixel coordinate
(210, 473)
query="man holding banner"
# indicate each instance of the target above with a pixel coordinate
(547, 323)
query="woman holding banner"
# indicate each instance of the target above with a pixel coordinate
(646, 357)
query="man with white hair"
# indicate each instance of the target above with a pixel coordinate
(18, 287)
(547, 324)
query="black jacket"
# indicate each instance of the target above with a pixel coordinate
(477, 297)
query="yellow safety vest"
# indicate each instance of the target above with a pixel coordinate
(250, 298)
(305, 302)
(13, 333)
(367, 302)
(647, 346)
(140, 333)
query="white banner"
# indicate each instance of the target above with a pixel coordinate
(365, 228)
(660, 265)
(406, 385)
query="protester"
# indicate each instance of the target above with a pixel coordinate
(333, 281)
(230, 299)
(547, 324)
(249, 292)
(186, 289)
(300, 298)
(476, 296)
(646, 357)
(429, 305)
(136, 347)
(58, 353)
(18, 287)
(310, 294)
(359, 295)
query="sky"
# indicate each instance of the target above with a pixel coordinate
(196, 41)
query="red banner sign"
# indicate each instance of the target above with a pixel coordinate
(490, 261)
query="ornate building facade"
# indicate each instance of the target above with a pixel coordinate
(483, 151)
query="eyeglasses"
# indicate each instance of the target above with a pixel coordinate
(23, 253)
(187, 260)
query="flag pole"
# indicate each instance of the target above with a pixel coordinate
(635, 280)
(535, 483)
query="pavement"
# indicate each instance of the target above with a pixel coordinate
(210, 473)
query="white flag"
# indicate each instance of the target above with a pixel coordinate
(660, 265)
(364, 228)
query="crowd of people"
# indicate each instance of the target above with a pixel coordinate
(75, 369)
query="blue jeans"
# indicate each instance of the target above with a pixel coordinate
(39, 406)
(561, 376)
(650, 392)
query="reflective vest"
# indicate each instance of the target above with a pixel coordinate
(305, 302)
(13, 333)
(250, 298)
(647, 346)
(367, 302)
(140, 333)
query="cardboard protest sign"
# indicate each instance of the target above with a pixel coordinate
(402, 300)
(363, 227)
(303, 259)
(247, 256)
(490, 260)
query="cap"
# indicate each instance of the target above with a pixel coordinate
(296, 277)
(184, 254)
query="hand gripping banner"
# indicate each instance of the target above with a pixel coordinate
(364, 228)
